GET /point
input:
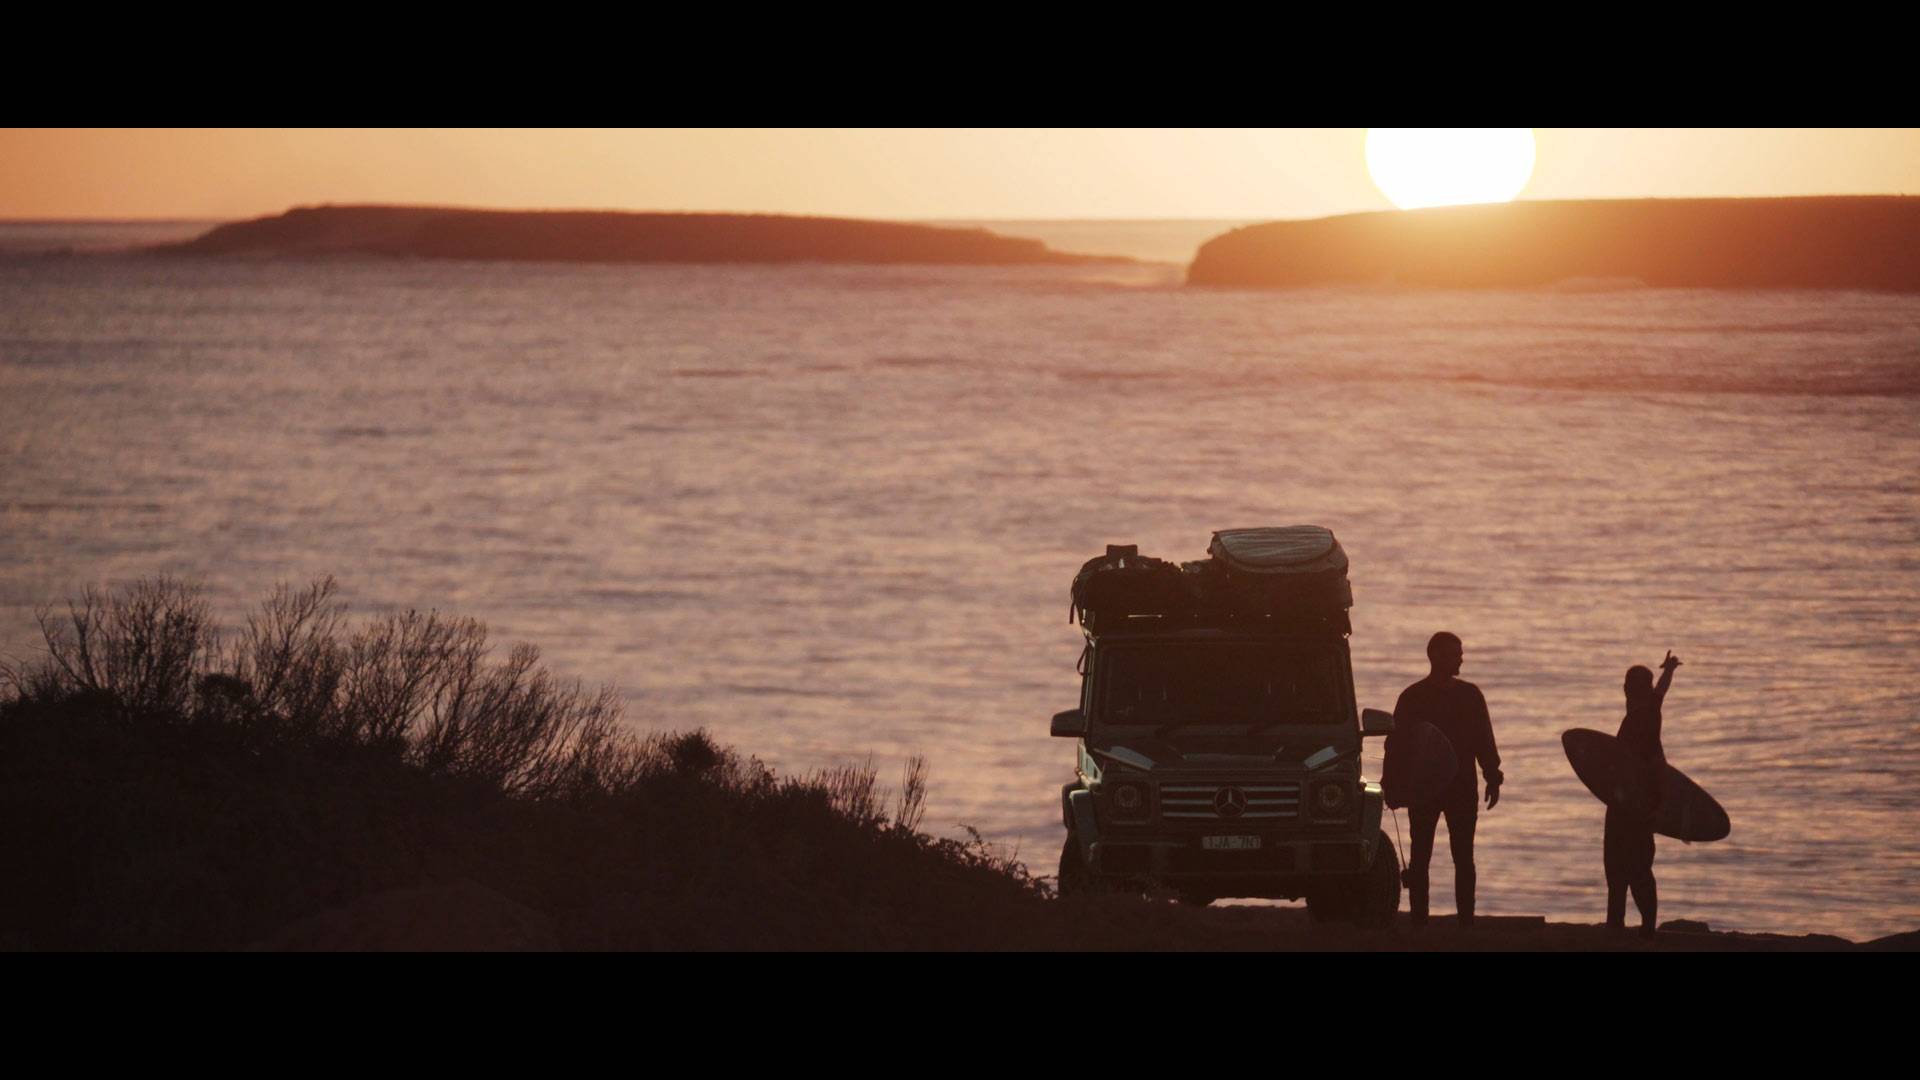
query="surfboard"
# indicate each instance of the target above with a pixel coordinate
(1618, 778)
(1419, 764)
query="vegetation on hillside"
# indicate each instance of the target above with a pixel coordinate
(164, 784)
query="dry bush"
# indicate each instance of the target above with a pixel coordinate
(426, 685)
(912, 805)
(143, 647)
(977, 851)
(392, 671)
(264, 804)
(421, 686)
(289, 659)
(602, 757)
(676, 757)
(851, 791)
(530, 746)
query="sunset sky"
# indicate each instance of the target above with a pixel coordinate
(883, 173)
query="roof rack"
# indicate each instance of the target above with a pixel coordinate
(1288, 580)
(1300, 624)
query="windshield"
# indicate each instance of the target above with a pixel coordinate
(1241, 682)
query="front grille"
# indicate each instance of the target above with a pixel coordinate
(1264, 801)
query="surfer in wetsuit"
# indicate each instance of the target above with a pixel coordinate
(1628, 845)
(1459, 710)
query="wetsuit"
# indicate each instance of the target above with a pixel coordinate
(1460, 712)
(1628, 845)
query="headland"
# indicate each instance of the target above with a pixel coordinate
(1833, 242)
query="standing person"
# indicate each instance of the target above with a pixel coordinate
(1459, 710)
(1628, 844)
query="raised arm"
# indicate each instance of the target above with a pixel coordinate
(1666, 677)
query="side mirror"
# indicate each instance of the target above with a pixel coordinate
(1376, 722)
(1070, 724)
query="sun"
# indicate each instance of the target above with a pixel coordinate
(1418, 167)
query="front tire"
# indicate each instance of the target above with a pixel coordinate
(1369, 898)
(1074, 879)
(1378, 891)
(1078, 879)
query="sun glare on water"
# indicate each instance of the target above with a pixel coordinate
(1416, 167)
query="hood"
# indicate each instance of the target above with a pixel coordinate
(1150, 755)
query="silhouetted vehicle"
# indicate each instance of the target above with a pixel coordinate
(1218, 735)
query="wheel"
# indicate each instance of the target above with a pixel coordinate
(1369, 898)
(1074, 879)
(1077, 879)
(1377, 892)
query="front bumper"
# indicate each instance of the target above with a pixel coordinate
(1183, 859)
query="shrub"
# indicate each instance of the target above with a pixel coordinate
(421, 686)
(158, 790)
(142, 648)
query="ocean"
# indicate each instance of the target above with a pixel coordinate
(831, 513)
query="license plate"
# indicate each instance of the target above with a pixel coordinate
(1229, 843)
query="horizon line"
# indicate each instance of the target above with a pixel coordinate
(68, 219)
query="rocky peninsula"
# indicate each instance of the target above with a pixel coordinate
(1837, 242)
(582, 236)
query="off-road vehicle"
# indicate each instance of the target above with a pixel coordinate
(1218, 735)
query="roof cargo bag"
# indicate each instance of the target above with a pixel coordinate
(1124, 583)
(1263, 580)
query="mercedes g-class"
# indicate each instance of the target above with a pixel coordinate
(1218, 736)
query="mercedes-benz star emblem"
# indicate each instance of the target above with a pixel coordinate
(1229, 801)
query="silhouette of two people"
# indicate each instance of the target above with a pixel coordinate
(1459, 710)
(1627, 846)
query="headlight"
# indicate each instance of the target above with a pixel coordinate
(1129, 800)
(1331, 799)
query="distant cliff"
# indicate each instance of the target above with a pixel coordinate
(1838, 242)
(605, 236)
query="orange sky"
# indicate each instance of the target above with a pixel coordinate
(886, 173)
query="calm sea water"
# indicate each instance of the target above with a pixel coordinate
(832, 512)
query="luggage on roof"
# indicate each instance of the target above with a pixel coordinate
(1123, 583)
(1288, 549)
(1265, 578)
